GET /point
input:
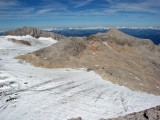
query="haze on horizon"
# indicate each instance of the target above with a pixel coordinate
(73, 13)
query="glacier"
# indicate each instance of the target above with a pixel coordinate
(28, 92)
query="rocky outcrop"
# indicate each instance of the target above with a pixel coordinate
(118, 57)
(149, 114)
(79, 118)
(23, 42)
(33, 32)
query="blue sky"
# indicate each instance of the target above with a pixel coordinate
(78, 13)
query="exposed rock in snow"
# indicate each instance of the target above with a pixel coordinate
(23, 42)
(79, 118)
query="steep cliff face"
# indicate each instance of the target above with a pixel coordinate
(118, 57)
(33, 32)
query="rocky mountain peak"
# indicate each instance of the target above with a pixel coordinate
(113, 30)
(115, 33)
(34, 32)
(120, 38)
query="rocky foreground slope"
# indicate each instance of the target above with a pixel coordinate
(118, 57)
(33, 32)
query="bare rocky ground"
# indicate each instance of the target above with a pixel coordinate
(118, 57)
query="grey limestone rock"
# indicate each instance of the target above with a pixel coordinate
(33, 32)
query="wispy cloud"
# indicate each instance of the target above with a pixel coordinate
(44, 11)
(17, 9)
(8, 3)
(147, 6)
(83, 3)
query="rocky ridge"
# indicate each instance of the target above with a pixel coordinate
(116, 56)
(33, 32)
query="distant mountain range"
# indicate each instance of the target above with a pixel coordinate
(95, 28)
(152, 33)
(1, 32)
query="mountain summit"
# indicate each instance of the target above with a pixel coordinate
(115, 33)
(120, 38)
(116, 56)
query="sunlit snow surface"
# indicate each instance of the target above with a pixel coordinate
(33, 93)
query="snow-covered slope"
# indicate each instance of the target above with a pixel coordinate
(31, 93)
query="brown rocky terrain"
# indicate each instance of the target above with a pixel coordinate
(149, 114)
(118, 57)
(23, 42)
(33, 32)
